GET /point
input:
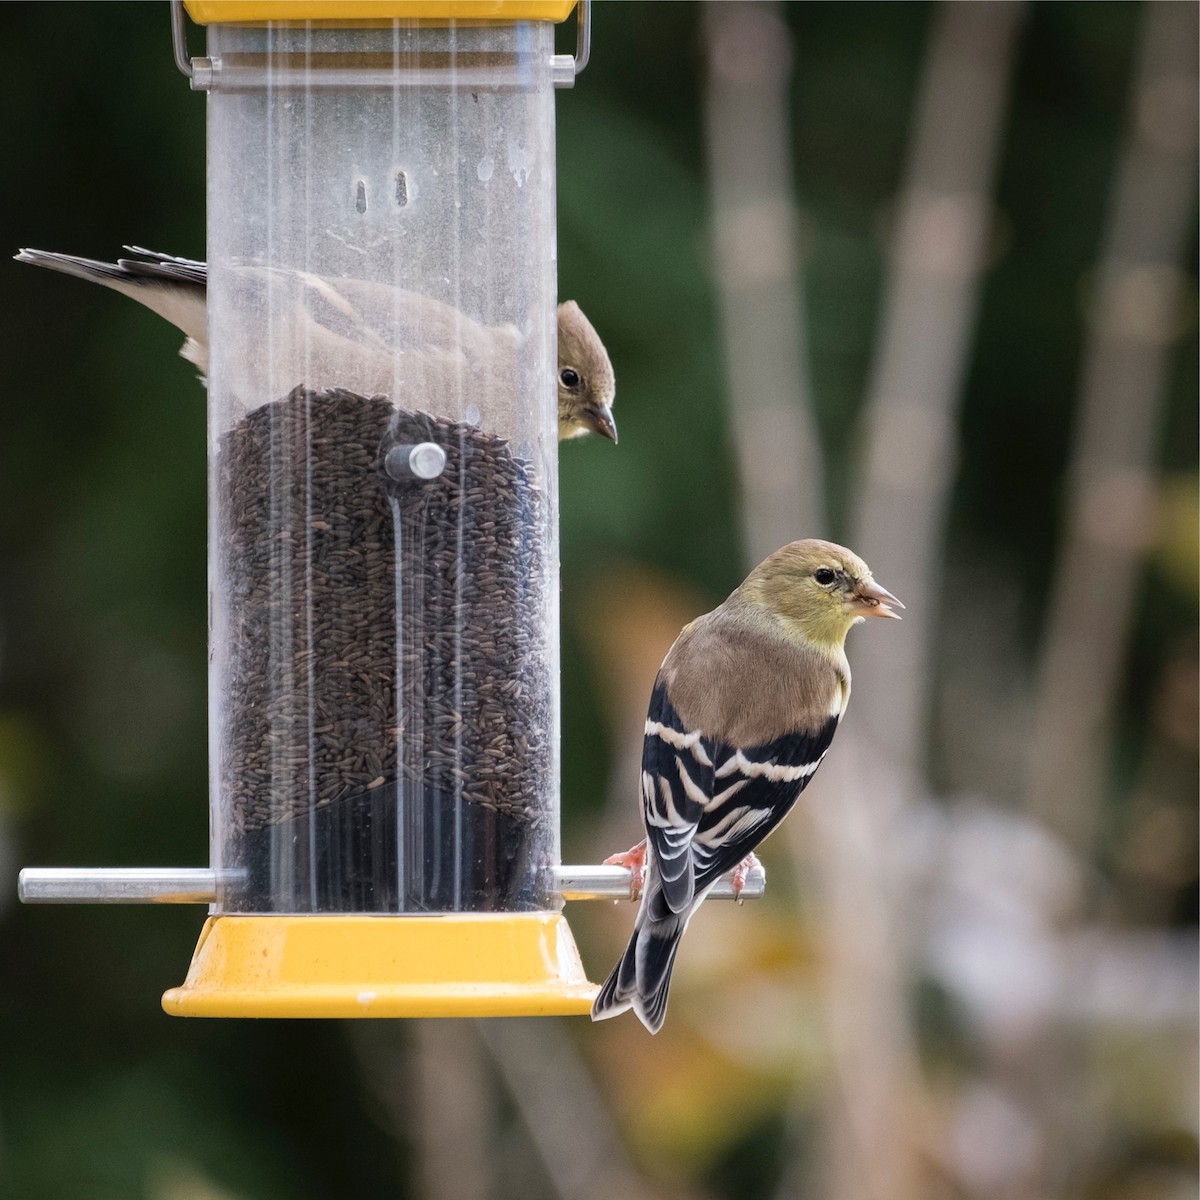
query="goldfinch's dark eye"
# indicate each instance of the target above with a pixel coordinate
(569, 377)
(824, 576)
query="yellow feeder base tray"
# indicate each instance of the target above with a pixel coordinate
(452, 965)
(338, 12)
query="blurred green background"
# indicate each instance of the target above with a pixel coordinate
(1042, 1001)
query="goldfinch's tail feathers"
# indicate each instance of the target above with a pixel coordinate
(642, 979)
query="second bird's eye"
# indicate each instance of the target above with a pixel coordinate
(824, 576)
(569, 377)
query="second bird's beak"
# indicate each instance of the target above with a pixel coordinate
(871, 600)
(599, 419)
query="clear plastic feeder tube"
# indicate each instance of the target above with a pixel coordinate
(383, 553)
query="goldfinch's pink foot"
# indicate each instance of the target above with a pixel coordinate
(738, 879)
(634, 861)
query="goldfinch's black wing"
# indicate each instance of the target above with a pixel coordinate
(677, 785)
(152, 270)
(168, 267)
(753, 791)
(707, 805)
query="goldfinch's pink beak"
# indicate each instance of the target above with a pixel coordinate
(871, 600)
(599, 419)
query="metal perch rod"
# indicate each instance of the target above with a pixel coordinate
(198, 885)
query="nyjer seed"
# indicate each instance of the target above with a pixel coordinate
(387, 663)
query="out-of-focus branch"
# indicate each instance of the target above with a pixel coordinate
(929, 312)
(566, 1119)
(876, 1123)
(1111, 487)
(433, 1092)
(930, 302)
(757, 275)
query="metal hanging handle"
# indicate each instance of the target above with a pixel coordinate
(566, 68)
(199, 71)
(179, 39)
(583, 35)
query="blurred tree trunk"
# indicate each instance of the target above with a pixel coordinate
(1111, 487)
(759, 291)
(930, 305)
(874, 1118)
(450, 1114)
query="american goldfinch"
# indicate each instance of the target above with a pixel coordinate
(351, 324)
(743, 710)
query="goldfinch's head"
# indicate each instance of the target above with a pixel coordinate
(819, 590)
(586, 384)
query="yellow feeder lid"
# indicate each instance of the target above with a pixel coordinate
(205, 12)
(353, 965)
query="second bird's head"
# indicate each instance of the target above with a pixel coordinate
(820, 588)
(586, 384)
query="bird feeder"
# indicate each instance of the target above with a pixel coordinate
(383, 557)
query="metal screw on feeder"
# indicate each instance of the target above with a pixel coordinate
(383, 679)
(427, 460)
